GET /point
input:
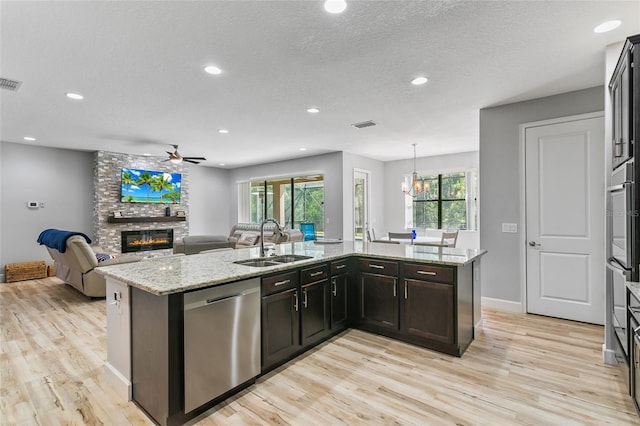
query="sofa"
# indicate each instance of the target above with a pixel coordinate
(241, 235)
(77, 265)
(193, 244)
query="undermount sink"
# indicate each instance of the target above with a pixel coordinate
(288, 258)
(262, 262)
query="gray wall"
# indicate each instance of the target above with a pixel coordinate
(209, 194)
(61, 179)
(500, 181)
(330, 165)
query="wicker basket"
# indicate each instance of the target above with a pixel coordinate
(25, 271)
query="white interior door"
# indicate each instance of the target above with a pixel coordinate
(360, 205)
(564, 182)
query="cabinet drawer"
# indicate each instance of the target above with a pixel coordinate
(339, 267)
(380, 267)
(316, 273)
(280, 282)
(440, 274)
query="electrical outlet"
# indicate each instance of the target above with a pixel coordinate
(510, 227)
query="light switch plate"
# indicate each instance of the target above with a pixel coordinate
(510, 227)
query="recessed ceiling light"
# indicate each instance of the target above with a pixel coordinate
(607, 26)
(303, 149)
(146, 154)
(75, 96)
(313, 110)
(212, 69)
(220, 164)
(335, 6)
(419, 80)
(29, 138)
(223, 131)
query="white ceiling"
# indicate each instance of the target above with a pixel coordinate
(139, 66)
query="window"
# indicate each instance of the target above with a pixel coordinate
(447, 201)
(288, 200)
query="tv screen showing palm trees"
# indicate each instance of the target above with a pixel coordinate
(146, 186)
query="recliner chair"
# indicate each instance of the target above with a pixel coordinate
(77, 266)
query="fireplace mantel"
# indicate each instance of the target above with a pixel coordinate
(146, 219)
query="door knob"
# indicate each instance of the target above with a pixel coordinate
(534, 244)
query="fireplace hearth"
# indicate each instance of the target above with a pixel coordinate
(145, 240)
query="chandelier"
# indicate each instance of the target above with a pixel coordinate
(415, 187)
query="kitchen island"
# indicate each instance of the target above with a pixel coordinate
(428, 296)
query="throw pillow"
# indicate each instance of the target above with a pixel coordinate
(248, 239)
(103, 256)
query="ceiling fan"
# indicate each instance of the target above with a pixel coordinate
(176, 158)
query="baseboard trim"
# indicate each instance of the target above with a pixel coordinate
(609, 356)
(502, 305)
(118, 382)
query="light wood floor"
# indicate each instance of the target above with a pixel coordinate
(522, 369)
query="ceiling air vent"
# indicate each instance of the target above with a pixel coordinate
(364, 124)
(9, 84)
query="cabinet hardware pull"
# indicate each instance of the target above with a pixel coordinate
(295, 297)
(334, 288)
(315, 274)
(406, 290)
(304, 300)
(427, 273)
(394, 289)
(341, 266)
(371, 265)
(281, 283)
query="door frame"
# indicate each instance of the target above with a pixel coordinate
(523, 195)
(367, 202)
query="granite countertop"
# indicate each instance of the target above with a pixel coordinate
(174, 274)
(634, 288)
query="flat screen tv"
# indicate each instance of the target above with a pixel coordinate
(147, 186)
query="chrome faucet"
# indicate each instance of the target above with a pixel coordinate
(278, 229)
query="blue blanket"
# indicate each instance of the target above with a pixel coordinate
(57, 239)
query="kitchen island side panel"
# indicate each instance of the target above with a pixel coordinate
(156, 355)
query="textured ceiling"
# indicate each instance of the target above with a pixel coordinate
(139, 66)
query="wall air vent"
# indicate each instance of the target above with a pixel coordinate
(8, 84)
(364, 124)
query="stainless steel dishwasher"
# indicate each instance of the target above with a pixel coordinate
(221, 340)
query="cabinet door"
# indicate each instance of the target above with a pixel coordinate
(378, 303)
(314, 318)
(621, 111)
(428, 310)
(339, 285)
(280, 327)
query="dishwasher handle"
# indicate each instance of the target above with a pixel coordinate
(213, 296)
(222, 299)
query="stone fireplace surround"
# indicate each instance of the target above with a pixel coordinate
(107, 172)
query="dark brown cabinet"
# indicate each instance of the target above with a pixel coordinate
(428, 302)
(339, 296)
(377, 294)
(280, 318)
(625, 102)
(314, 311)
(428, 310)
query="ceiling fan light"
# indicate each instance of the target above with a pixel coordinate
(175, 160)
